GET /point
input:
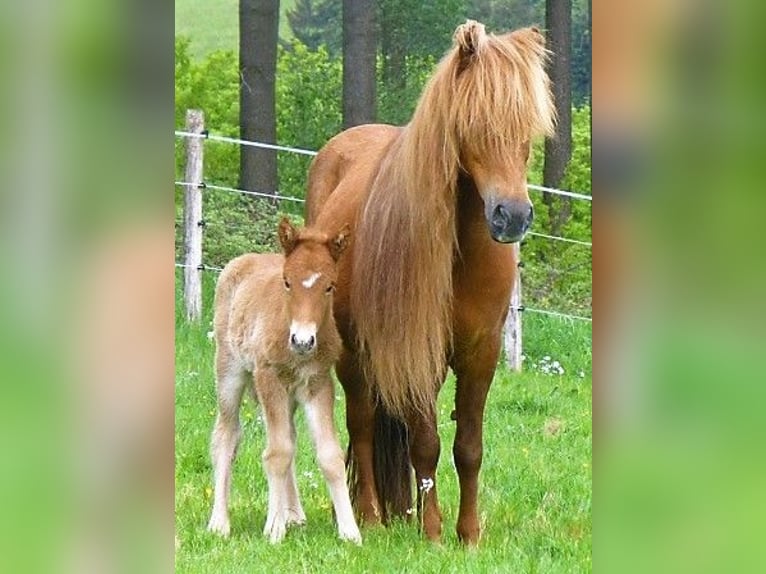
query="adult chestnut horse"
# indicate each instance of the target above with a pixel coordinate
(426, 283)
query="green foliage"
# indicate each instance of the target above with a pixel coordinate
(581, 53)
(502, 15)
(309, 112)
(235, 223)
(396, 103)
(558, 275)
(318, 23)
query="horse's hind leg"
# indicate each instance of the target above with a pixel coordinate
(279, 452)
(360, 421)
(231, 380)
(474, 374)
(424, 454)
(319, 413)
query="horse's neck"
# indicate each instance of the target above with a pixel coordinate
(473, 237)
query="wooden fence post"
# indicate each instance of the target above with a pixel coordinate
(512, 333)
(193, 224)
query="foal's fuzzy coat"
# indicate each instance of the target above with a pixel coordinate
(274, 320)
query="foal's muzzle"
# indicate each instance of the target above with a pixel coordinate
(508, 219)
(303, 338)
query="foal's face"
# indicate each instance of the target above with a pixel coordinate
(309, 276)
(502, 184)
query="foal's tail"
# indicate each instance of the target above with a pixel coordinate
(391, 463)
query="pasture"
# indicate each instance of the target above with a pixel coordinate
(535, 497)
(213, 24)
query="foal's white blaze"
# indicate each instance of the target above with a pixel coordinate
(309, 282)
(303, 332)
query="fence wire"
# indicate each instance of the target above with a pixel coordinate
(225, 139)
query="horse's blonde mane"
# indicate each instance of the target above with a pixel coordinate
(489, 92)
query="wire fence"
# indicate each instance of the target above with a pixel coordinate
(205, 135)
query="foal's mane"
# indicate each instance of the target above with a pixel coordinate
(492, 93)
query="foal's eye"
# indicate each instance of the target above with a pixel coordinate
(287, 283)
(330, 288)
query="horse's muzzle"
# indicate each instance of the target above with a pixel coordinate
(509, 220)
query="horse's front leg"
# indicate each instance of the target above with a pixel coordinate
(360, 421)
(474, 370)
(280, 449)
(424, 454)
(319, 414)
(295, 513)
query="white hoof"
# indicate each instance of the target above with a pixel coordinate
(219, 525)
(296, 516)
(351, 534)
(275, 529)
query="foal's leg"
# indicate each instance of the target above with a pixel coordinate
(295, 514)
(231, 380)
(319, 413)
(360, 421)
(474, 372)
(424, 454)
(279, 452)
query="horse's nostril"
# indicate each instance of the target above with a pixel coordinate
(501, 216)
(531, 215)
(311, 342)
(293, 340)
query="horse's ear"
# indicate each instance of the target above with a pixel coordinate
(338, 244)
(288, 235)
(469, 38)
(532, 33)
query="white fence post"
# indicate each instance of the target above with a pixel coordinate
(512, 333)
(193, 224)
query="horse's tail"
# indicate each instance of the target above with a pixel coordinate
(391, 464)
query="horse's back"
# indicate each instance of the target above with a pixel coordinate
(353, 155)
(247, 283)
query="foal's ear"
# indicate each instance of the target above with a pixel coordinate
(288, 235)
(338, 244)
(469, 37)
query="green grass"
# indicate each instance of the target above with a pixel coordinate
(213, 24)
(535, 498)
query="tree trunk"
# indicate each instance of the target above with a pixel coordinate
(258, 34)
(558, 150)
(359, 51)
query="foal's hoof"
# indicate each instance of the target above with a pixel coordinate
(275, 529)
(296, 517)
(351, 534)
(219, 525)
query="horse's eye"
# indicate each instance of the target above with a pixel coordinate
(330, 288)
(287, 283)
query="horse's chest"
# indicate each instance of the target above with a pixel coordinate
(300, 379)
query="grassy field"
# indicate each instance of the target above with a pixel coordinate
(213, 24)
(535, 494)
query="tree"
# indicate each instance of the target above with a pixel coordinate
(359, 56)
(558, 150)
(317, 23)
(258, 34)
(581, 51)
